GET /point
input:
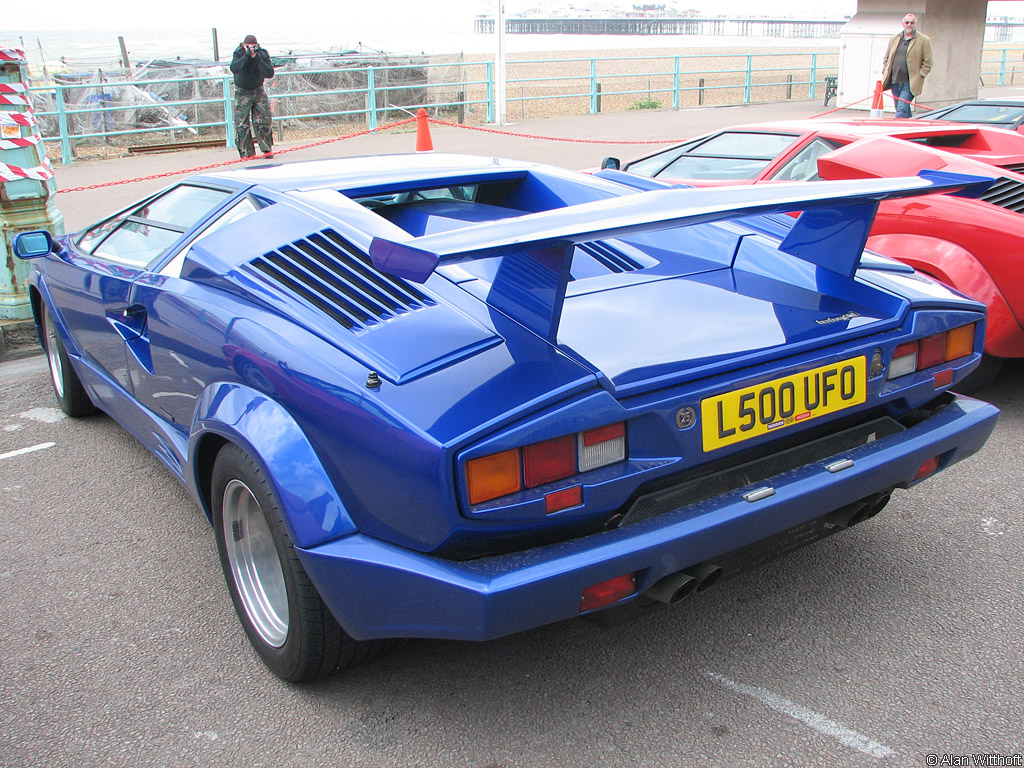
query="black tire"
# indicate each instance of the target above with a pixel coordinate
(281, 611)
(67, 387)
(986, 372)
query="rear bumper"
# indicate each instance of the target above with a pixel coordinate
(376, 589)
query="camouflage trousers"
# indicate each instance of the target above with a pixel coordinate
(252, 108)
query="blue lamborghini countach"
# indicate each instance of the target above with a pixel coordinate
(456, 397)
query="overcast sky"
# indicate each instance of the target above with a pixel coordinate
(113, 16)
(132, 14)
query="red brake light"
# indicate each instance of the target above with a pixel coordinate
(931, 351)
(500, 474)
(549, 461)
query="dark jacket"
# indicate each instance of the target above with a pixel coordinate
(251, 71)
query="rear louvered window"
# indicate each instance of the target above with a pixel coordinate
(1006, 193)
(325, 270)
(612, 258)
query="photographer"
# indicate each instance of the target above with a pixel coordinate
(251, 66)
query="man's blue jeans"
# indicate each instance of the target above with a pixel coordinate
(902, 96)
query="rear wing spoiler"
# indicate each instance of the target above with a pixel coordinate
(831, 232)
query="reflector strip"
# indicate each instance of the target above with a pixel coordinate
(608, 592)
(929, 467)
(559, 500)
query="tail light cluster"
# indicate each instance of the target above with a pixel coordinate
(932, 350)
(497, 475)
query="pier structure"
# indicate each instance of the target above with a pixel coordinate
(663, 25)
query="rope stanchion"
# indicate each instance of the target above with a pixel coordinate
(876, 104)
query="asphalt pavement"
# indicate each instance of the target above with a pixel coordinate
(896, 643)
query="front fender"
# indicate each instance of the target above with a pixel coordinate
(311, 507)
(959, 268)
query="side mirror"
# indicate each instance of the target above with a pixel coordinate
(611, 162)
(32, 245)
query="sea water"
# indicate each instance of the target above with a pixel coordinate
(88, 49)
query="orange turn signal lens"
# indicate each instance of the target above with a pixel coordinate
(492, 476)
(960, 342)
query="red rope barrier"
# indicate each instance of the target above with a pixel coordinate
(552, 138)
(840, 109)
(224, 163)
(390, 126)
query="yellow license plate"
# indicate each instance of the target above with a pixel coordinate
(746, 413)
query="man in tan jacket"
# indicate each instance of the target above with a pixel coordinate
(908, 60)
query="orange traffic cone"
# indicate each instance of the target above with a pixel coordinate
(423, 142)
(876, 102)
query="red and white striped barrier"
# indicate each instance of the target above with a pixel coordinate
(11, 123)
(42, 172)
(16, 143)
(14, 100)
(11, 54)
(27, 119)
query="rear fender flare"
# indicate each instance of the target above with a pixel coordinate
(958, 267)
(235, 413)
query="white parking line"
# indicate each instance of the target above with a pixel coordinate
(808, 717)
(30, 449)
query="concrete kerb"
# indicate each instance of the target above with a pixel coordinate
(18, 339)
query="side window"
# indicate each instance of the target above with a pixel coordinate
(727, 155)
(140, 235)
(652, 166)
(803, 166)
(236, 212)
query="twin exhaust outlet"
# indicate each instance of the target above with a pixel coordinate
(676, 586)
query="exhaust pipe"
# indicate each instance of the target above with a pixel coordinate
(673, 588)
(858, 512)
(706, 575)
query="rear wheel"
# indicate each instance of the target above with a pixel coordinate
(67, 387)
(281, 611)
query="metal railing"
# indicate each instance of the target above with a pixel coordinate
(73, 115)
(1001, 66)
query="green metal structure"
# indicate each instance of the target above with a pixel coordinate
(27, 187)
